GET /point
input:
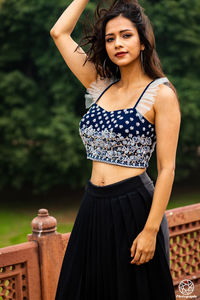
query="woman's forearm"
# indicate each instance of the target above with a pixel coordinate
(67, 21)
(162, 192)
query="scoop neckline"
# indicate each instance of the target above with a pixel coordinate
(116, 110)
(133, 107)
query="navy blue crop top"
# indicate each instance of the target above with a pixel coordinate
(122, 137)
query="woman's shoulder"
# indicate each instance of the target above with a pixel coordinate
(96, 88)
(166, 95)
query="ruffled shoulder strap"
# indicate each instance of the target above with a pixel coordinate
(147, 100)
(95, 89)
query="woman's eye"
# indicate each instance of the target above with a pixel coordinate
(125, 35)
(108, 40)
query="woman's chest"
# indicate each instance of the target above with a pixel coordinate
(126, 123)
(113, 103)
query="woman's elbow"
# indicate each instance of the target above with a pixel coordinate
(168, 169)
(54, 33)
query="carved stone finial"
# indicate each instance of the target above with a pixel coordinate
(43, 223)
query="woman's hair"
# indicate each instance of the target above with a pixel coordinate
(97, 53)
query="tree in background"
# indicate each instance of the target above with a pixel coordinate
(177, 29)
(42, 101)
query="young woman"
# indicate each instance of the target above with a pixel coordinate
(119, 245)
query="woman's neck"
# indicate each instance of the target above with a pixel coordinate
(133, 75)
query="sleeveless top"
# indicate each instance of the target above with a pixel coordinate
(122, 137)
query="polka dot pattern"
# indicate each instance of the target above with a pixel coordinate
(121, 137)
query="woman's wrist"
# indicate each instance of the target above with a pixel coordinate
(153, 229)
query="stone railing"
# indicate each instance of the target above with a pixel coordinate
(30, 271)
(184, 230)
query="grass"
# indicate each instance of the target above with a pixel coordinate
(15, 222)
(16, 225)
(184, 199)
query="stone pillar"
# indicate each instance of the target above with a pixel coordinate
(52, 246)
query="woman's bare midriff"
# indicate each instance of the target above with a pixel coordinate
(105, 173)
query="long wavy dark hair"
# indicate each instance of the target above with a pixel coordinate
(97, 53)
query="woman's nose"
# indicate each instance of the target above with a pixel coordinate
(117, 42)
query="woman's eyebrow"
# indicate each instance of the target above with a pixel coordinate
(120, 31)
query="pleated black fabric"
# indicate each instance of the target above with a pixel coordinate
(96, 264)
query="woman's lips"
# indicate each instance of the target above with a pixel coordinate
(121, 54)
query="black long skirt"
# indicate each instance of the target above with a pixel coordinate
(96, 264)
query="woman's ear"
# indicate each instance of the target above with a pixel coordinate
(142, 47)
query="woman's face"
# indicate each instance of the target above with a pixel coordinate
(122, 36)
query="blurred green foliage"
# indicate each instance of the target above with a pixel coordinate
(41, 101)
(176, 26)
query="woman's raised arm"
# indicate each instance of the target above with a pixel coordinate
(61, 34)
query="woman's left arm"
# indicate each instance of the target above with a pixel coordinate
(167, 125)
